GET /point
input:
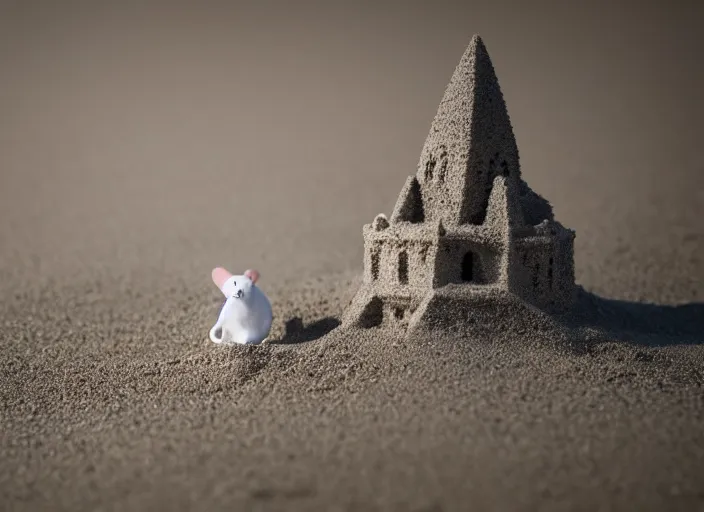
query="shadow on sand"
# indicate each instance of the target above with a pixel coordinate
(641, 323)
(297, 332)
(599, 319)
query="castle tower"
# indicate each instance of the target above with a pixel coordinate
(466, 227)
(470, 143)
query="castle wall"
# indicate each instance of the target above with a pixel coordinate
(386, 265)
(451, 267)
(564, 285)
(544, 272)
(398, 273)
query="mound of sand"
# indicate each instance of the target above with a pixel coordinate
(322, 417)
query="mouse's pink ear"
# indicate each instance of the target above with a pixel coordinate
(252, 274)
(220, 275)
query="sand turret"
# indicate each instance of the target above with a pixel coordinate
(470, 143)
(466, 229)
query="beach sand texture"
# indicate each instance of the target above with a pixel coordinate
(142, 146)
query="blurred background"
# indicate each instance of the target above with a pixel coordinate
(152, 141)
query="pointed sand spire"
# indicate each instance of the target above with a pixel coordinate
(504, 210)
(472, 130)
(409, 206)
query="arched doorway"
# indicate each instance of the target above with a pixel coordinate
(468, 270)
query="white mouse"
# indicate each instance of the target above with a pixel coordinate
(246, 316)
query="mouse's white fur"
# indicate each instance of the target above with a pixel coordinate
(246, 316)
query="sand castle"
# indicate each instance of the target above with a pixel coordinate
(466, 231)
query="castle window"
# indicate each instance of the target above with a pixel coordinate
(424, 254)
(429, 168)
(443, 171)
(550, 273)
(403, 267)
(443, 164)
(536, 277)
(468, 267)
(398, 313)
(375, 265)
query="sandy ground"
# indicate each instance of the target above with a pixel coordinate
(139, 148)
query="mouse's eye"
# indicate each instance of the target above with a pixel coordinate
(234, 283)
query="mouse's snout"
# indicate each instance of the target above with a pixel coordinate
(239, 294)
